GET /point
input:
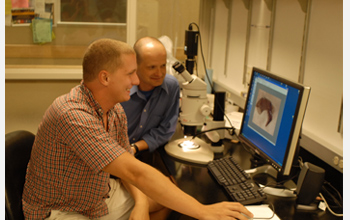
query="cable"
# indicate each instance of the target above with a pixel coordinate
(214, 129)
(301, 162)
(334, 189)
(338, 202)
(330, 210)
(335, 200)
(205, 66)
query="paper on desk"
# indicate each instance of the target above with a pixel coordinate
(262, 212)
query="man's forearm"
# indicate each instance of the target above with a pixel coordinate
(159, 188)
(168, 194)
(139, 197)
(154, 184)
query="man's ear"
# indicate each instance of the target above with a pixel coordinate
(103, 77)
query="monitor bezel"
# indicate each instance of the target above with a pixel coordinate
(292, 149)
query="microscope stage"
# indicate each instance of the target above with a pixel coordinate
(199, 154)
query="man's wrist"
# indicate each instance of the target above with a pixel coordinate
(135, 147)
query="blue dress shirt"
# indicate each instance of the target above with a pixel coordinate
(153, 120)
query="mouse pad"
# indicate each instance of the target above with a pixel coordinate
(262, 212)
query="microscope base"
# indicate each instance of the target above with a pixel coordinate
(218, 149)
(201, 155)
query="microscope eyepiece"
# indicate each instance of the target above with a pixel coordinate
(178, 67)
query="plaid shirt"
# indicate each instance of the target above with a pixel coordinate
(70, 150)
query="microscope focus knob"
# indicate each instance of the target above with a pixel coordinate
(205, 110)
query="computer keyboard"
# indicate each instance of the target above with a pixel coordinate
(237, 183)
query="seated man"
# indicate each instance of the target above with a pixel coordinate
(82, 140)
(153, 109)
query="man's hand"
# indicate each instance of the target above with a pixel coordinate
(225, 210)
(160, 189)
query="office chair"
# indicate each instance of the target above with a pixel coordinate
(18, 146)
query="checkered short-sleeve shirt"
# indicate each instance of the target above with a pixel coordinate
(70, 150)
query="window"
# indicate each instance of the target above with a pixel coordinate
(76, 23)
(93, 11)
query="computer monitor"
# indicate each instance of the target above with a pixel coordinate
(272, 119)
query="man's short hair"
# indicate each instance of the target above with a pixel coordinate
(104, 54)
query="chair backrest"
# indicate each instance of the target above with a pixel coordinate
(18, 146)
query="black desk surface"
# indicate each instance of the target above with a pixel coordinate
(198, 182)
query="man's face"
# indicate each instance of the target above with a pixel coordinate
(151, 70)
(123, 79)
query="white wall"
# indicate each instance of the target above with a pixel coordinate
(301, 40)
(27, 100)
(324, 73)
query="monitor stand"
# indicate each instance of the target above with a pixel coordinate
(288, 188)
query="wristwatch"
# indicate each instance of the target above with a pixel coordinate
(136, 148)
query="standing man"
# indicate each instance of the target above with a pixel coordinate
(153, 108)
(82, 140)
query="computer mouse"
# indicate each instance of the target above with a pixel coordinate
(249, 218)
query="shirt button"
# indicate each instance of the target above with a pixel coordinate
(140, 126)
(144, 110)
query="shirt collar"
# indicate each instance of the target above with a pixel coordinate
(90, 97)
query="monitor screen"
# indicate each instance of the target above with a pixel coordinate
(272, 119)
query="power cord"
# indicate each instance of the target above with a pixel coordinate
(331, 197)
(340, 201)
(214, 129)
(329, 209)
